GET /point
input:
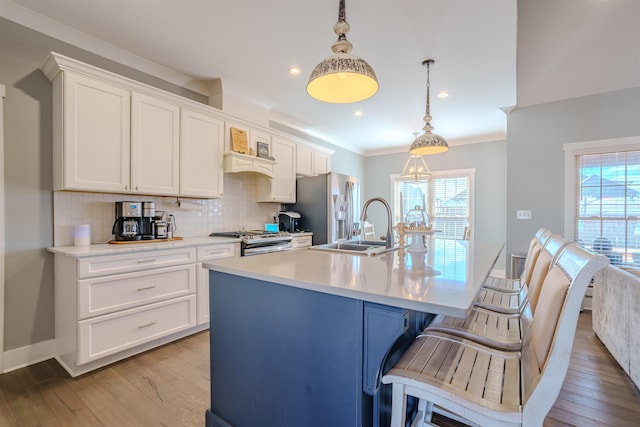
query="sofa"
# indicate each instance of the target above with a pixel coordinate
(616, 316)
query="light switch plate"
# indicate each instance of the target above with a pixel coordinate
(523, 215)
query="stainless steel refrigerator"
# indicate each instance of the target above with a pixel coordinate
(328, 205)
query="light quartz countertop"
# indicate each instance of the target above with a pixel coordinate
(108, 248)
(446, 280)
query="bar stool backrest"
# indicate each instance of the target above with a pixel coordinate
(547, 348)
(535, 246)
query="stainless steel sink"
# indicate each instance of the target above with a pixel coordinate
(357, 247)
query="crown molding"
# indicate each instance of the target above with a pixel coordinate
(49, 27)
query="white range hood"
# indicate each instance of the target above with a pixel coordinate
(237, 162)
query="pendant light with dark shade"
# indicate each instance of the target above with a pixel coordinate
(342, 77)
(428, 143)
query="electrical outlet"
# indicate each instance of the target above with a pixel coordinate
(524, 215)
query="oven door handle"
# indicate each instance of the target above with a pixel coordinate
(266, 249)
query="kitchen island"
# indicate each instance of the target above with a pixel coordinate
(301, 338)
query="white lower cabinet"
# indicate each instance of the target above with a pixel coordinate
(303, 241)
(110, 307)
(105, 335)
(208, 253)
(103, 295)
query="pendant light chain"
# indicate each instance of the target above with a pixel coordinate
(341, 28)
(427, 117)
(342, 14)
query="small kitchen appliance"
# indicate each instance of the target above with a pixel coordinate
(171, 227)
(146, 222)
(128, 219)
(289, 221)
(160, 226)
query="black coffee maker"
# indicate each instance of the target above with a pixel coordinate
(289, 221)
(128, 221)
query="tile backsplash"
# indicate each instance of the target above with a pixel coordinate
(194, 218)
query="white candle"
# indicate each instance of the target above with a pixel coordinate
(82, 235)
(401, 212)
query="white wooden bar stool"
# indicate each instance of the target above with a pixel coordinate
(501, 330)
(512, 303)
(515, 285)
(484, 386)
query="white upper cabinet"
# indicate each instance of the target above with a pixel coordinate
(91, 135)
(304, 160)
(282, 187)
(321, 162)
(155, 145)
(116, 135)
(113, 134)
(201, 154)
(311, 162)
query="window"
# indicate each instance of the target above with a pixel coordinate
(606, 200)
(446, 197)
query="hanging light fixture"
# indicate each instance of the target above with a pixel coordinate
(415, 170)
(342, 77)
(428, 143)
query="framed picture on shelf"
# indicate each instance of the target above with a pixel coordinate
(263, 150)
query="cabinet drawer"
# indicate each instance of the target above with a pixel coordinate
(131, 262)
(104, 335)
(301, 242)
(108, 294)
(227, 250)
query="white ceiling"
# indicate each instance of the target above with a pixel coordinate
(250, 45)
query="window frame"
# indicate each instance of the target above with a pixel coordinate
(571, 152)
(469, 173)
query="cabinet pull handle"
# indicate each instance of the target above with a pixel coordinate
(147, 287)
(145, 261)
(137, 189)
(146, 325)
(216, 252)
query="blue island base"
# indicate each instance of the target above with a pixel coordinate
(286, 356)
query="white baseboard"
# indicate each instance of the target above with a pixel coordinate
(28, 355)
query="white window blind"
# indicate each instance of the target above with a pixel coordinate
(445, 197)
(608, 205)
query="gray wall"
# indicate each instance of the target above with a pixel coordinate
(28, 311)
(535, 167)
(489, 161)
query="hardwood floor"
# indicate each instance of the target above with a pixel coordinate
(169, 386)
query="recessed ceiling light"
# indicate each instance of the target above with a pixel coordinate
(443, 94)
(294, 71)
(358, 113)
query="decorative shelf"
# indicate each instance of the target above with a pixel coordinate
(237, 162)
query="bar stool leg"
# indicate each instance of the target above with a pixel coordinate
(398, 406)
(425, 412)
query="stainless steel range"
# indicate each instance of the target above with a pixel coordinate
(256, 242)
